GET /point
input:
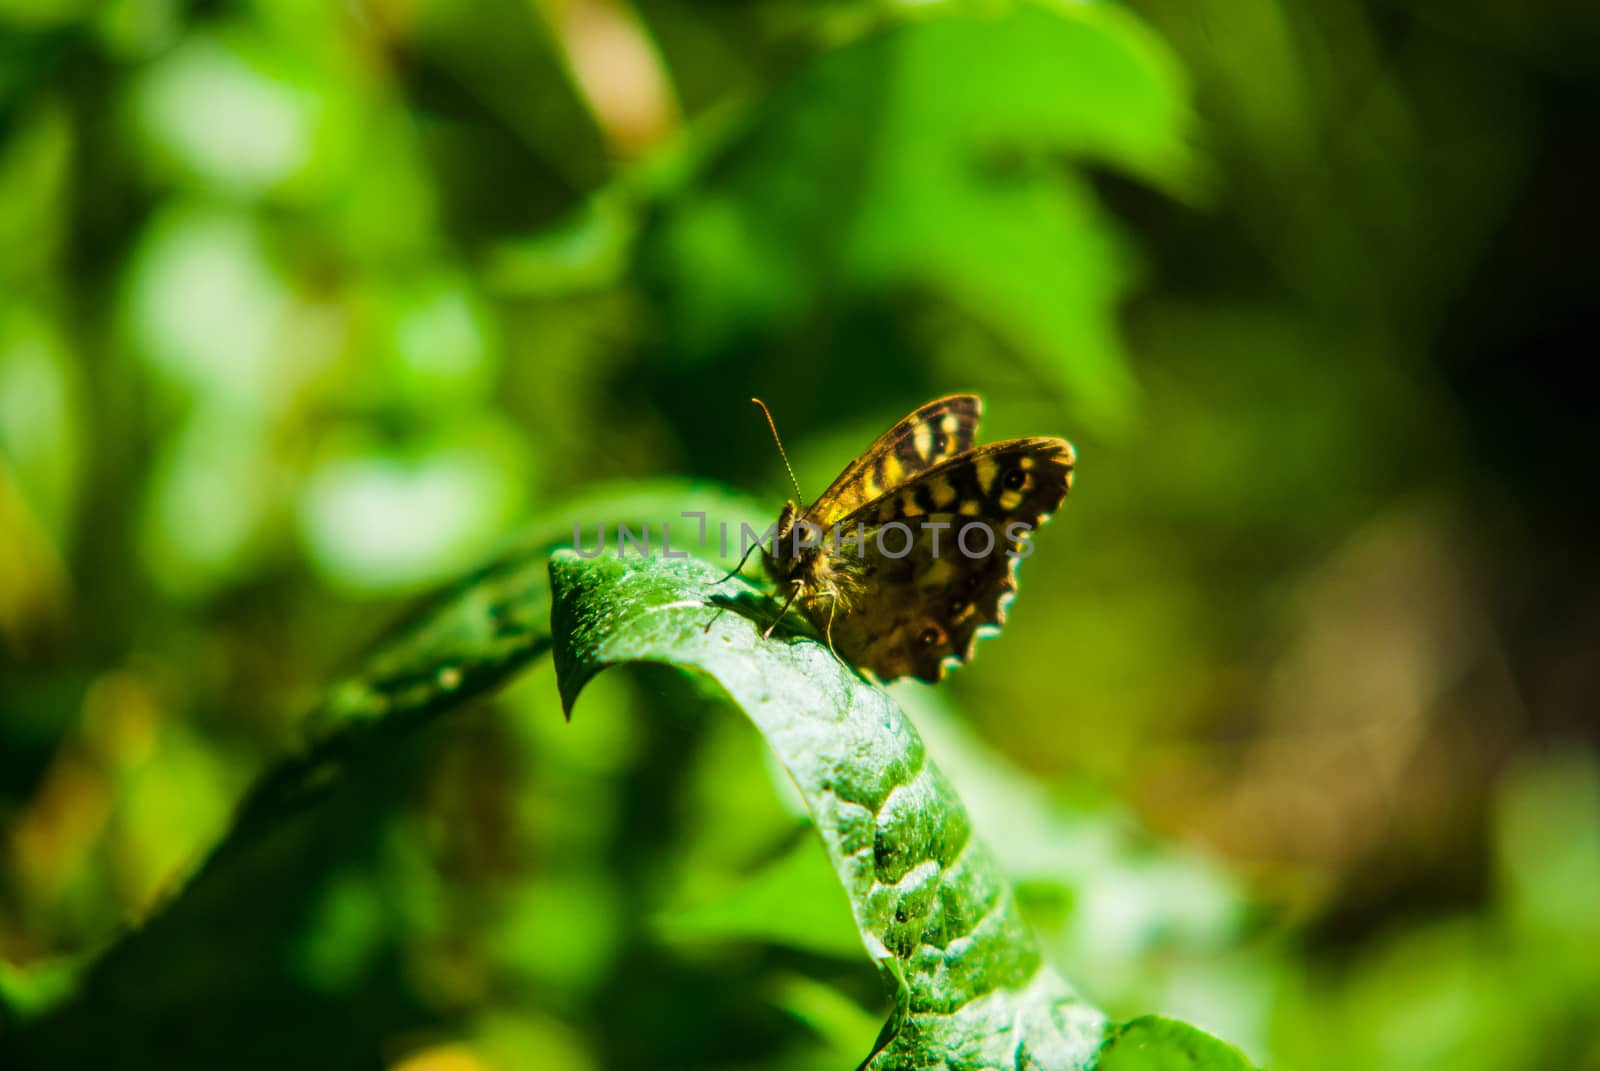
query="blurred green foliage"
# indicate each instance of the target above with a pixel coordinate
(306, 309)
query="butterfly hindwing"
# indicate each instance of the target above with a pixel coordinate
(907, 614)
(920, 612)
(933, 434)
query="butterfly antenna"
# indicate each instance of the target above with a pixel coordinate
(799, 497)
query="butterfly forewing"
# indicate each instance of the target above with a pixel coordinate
(933, 434)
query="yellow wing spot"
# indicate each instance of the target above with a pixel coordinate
(943, 491)
(892, 471)
(986, 473)
(1025, 461)
(908, 504)
(922, 439)
(941, 572)
(1010, 500)
(971, 508)
(949, 424)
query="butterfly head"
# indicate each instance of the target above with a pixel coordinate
(786, 519)
(785, 561)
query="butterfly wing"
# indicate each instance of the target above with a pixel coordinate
(934, 433)
(911, 614)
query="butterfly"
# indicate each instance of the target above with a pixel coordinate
(911, 553)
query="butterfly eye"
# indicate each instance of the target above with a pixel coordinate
(1015, 480)
(929, 636)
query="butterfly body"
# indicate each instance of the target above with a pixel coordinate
(911, 553)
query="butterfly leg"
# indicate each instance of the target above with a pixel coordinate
(794, 593)
(833, 604)
(737, 569)
(720, 611)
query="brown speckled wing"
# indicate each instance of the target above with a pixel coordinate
(914, 614)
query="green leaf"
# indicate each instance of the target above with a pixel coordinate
(1152, 1043)
(971, 989)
